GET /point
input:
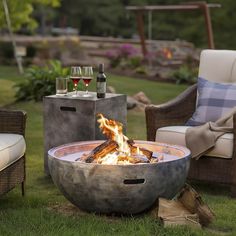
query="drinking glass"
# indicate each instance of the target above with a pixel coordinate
(87, 78)
(61, 86)
(75, 75)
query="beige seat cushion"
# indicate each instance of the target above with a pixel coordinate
(176, 135)
(12, 147)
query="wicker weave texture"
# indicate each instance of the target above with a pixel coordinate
(12, 175)
(177, 112)
(12, 122)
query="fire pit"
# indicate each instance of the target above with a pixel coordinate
(118, 175)
(118, 188)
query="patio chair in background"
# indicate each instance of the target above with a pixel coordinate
(166, 122)
(12, 150)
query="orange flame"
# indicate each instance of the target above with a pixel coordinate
(114, 131)
(167, 53)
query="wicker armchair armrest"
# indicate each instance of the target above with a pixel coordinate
(234, 156)
(234, 139)
(12, 122)
(174, 112)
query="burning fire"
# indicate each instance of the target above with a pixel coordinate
(118, 149)
(167, 53)
(114, 131)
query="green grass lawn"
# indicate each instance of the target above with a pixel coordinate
(44, 211)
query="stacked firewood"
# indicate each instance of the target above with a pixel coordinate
(111, 146)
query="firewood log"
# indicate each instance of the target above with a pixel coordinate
(122, 158)
(145, 152)
(134, 159)
(133, 149)
(101, 150)
(83, 158)
(154, 160)
(130, 142)
(138, 159)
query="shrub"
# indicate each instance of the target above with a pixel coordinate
(141, 70)
(31, 51)
(127, 50)
(40, 81)
(185, 74)
(125, 55)
(6, 50)
(135, 61)
(114, 58)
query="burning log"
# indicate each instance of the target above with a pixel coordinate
(138, 150)
(111, 146)
(118, 149)
(134, 159)
(154, 160)
(100, 151)
(103, 149)
(143, 151)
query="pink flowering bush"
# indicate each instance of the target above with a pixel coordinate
(114, 57)
(127, 50)
(125, 55)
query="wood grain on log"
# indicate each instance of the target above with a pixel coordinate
(102, 150)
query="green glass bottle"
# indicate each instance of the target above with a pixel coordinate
(101, 82)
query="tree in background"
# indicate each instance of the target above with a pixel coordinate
(109, 18)
(21, 12)
(190, 25)
(92, 17)
(224, 25)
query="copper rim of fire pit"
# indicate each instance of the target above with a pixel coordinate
(184, 150)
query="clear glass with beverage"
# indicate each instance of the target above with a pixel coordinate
(61, 86)
(75, 76)
(87, 78)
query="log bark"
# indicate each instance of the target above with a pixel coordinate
(138, 159)
(101, 150)
(110, 146)
(145, 152)
(133, 149)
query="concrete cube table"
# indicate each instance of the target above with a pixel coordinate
(68, 119)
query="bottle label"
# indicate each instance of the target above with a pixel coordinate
(101, 87)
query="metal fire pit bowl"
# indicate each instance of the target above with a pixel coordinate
(123, 189)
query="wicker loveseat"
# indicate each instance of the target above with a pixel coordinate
(166, 122)
(12, 150)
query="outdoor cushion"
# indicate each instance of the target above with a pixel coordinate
(12, 147)
(176, 135)
(214, 101)
(218, 65)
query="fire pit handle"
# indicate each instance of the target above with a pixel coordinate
(68, 109)
(134, 181)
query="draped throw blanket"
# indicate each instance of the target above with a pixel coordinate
(200, 139)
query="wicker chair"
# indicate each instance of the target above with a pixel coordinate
(12, 171)
(215, 65)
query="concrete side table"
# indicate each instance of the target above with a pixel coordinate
(68, 119)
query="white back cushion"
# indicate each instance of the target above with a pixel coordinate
(218, 65)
